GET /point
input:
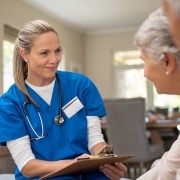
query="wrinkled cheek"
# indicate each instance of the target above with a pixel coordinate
(175, 29)
(148, 74)
(145, 72)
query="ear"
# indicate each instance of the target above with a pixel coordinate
(24, 54)
(170, 62)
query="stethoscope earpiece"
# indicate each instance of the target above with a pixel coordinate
(59, 120)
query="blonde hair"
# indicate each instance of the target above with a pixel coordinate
(24, 41)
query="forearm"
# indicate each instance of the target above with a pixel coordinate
(166, 167)
(39, 168)
(96, 148)
(95, 137)
(27, 163)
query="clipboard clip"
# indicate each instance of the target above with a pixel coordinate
(107, 151)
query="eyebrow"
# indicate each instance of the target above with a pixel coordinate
(60, 47)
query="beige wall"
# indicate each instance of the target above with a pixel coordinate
(15, 13)
(99, 58)
(93, 53)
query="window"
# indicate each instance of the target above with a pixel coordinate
(8, 45)
(164, 100)
(129, 74)
(130, 81)
(7, 64)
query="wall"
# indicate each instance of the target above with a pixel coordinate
(99, 58)
(94, 53)
(15, 13)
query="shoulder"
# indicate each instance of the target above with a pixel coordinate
(13, 95)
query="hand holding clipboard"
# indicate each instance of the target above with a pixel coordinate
(87, 164)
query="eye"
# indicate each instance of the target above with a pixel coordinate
(58, 51)
(44, 53)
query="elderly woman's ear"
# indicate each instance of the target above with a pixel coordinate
(170, 62)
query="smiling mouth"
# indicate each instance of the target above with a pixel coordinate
(51, 67)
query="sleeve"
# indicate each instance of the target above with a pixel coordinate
(20, 150)
(94, 131)
(167, 166)
(152, 174)
(92, 100)
(11, 120)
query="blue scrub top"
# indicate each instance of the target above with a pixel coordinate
(66, 141)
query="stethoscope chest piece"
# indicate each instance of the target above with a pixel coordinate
(59, 120)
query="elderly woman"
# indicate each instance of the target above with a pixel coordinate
(172, 8)
(161, 60)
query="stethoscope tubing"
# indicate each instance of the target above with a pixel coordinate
(40, 118)
(58, 119)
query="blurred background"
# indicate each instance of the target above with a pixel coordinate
(97, 40)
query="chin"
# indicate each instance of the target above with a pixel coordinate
(163, 92)
(159, 91)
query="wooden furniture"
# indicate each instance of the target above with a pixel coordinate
(156, 128)
(163, 125)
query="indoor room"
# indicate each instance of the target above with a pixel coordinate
(97, 39)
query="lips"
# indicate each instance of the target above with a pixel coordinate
(51, 68)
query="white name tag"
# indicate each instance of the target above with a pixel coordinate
(72, 107)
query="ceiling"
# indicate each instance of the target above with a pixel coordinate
(92, 16)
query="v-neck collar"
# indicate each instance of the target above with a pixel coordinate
(55, 100)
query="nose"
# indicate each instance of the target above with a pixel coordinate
(54, 58)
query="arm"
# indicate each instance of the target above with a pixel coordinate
(38, 168)
(96, 149)
(96, 143)
(95, 137)
(167, 166)
(30, 167)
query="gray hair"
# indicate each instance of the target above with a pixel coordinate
(25, 41)
(175, 4)
(155, 38)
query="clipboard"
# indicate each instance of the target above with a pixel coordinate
(86, 165)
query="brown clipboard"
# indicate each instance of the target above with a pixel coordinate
(86, 165)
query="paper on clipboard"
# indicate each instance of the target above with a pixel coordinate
(86, 165)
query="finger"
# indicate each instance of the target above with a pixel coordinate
(113, 171)
(121, 167)
(110, 175)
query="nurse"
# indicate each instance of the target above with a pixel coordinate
(49, 118)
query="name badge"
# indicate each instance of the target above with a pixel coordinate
(72, 107)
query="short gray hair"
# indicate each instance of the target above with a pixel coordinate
(155, 38)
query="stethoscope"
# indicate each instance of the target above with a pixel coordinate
(59, 120)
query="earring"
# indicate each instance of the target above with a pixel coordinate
(167, 72)
(26, 60)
